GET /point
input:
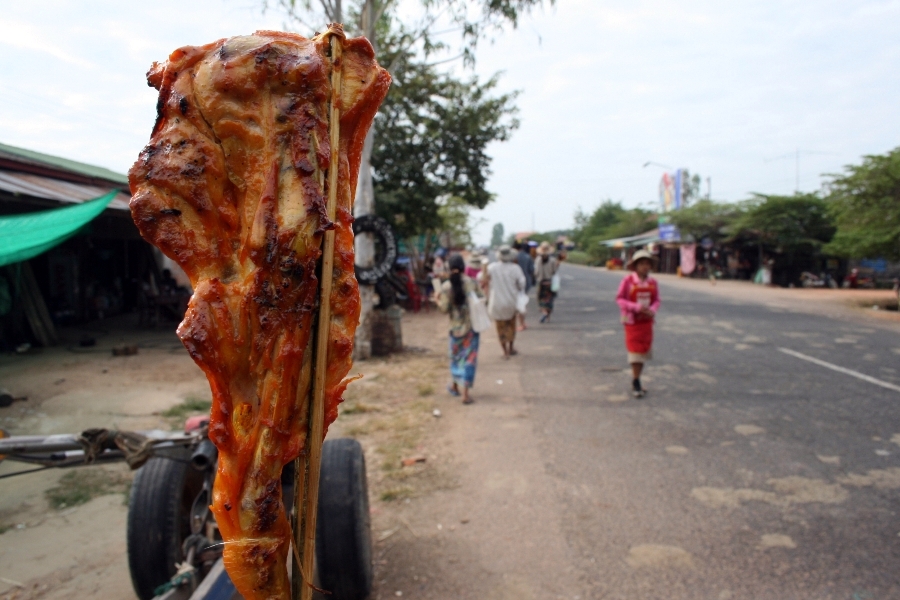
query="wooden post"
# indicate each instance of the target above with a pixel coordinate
(306, 511)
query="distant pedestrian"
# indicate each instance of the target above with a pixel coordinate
(505, 281)
(453, 300)
(523, 258)
(545, 267)
(438, 271)
(473, 267)
(638, 300)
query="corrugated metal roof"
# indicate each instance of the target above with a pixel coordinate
(633, 240)
(69, 192)
(62, 163)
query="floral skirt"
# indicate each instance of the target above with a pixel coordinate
(464, 358)
(506, 330)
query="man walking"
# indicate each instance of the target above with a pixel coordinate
(523, 258)
(505, 280)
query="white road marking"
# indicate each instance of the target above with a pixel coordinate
(840, 369)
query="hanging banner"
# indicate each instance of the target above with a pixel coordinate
(666, 193)
(688, 258)
(679, 187)
(669, 233)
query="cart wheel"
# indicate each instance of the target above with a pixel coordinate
(343, 534)
(158, 521)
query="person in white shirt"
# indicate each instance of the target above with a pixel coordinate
(505, 280)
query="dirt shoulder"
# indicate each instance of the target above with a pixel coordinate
(471, 521)
(64, 530)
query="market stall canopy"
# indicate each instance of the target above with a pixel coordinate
(642, 239)
(25, 236)
(38, 179)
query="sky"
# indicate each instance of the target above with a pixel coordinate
(731, 91)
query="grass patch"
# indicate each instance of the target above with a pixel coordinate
(358, 408)
(188, 406)
(80, 486)
(881, 303)
(578, 257)
(426, 389)
(4, 528)
(399, 493)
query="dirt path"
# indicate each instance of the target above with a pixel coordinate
(485, 532)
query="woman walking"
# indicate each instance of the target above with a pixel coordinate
(545, 267)
(505, 281)
(453, 300)
(638, 300)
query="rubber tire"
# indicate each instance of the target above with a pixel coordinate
(343, 531)
(384, 239)
(158, 521)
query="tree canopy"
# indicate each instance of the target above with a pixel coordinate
(497, 235)
(787, 224)
(432, 132)
(607, 221)
(706, 218)
(432, 137)
(865, 204)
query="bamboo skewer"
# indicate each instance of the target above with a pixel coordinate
(306, 511)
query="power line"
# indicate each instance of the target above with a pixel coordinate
(796, 156)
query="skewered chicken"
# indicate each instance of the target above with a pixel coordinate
(232, 186)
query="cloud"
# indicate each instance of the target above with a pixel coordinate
(25, 36)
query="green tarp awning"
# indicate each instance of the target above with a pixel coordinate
(25, 236)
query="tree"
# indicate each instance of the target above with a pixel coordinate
(865, 204)
(409, 126)
(787, 224)
(456, 227)
(609, 220)
(497, 235)
(433, 134)
(705, 218)
(690, 188)
(593, 226)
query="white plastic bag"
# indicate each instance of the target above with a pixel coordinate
(478, 314)
(522, 302)
(554, 283)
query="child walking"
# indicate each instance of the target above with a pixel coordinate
(638, 299)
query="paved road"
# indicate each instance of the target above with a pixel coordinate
(747, 472)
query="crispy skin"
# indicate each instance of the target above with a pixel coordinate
(232, 187)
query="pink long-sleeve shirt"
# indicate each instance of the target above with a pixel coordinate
(635, 294)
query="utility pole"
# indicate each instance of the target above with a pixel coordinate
(364, 204)
(796, 156)
(709, 188)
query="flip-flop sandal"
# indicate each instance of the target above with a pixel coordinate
(452, 391)
(469, 401)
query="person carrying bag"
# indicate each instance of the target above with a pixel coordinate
(461, 299)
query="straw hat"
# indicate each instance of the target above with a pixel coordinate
(545, 248)
(476, 260)
(505, 253)
(638, 256)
